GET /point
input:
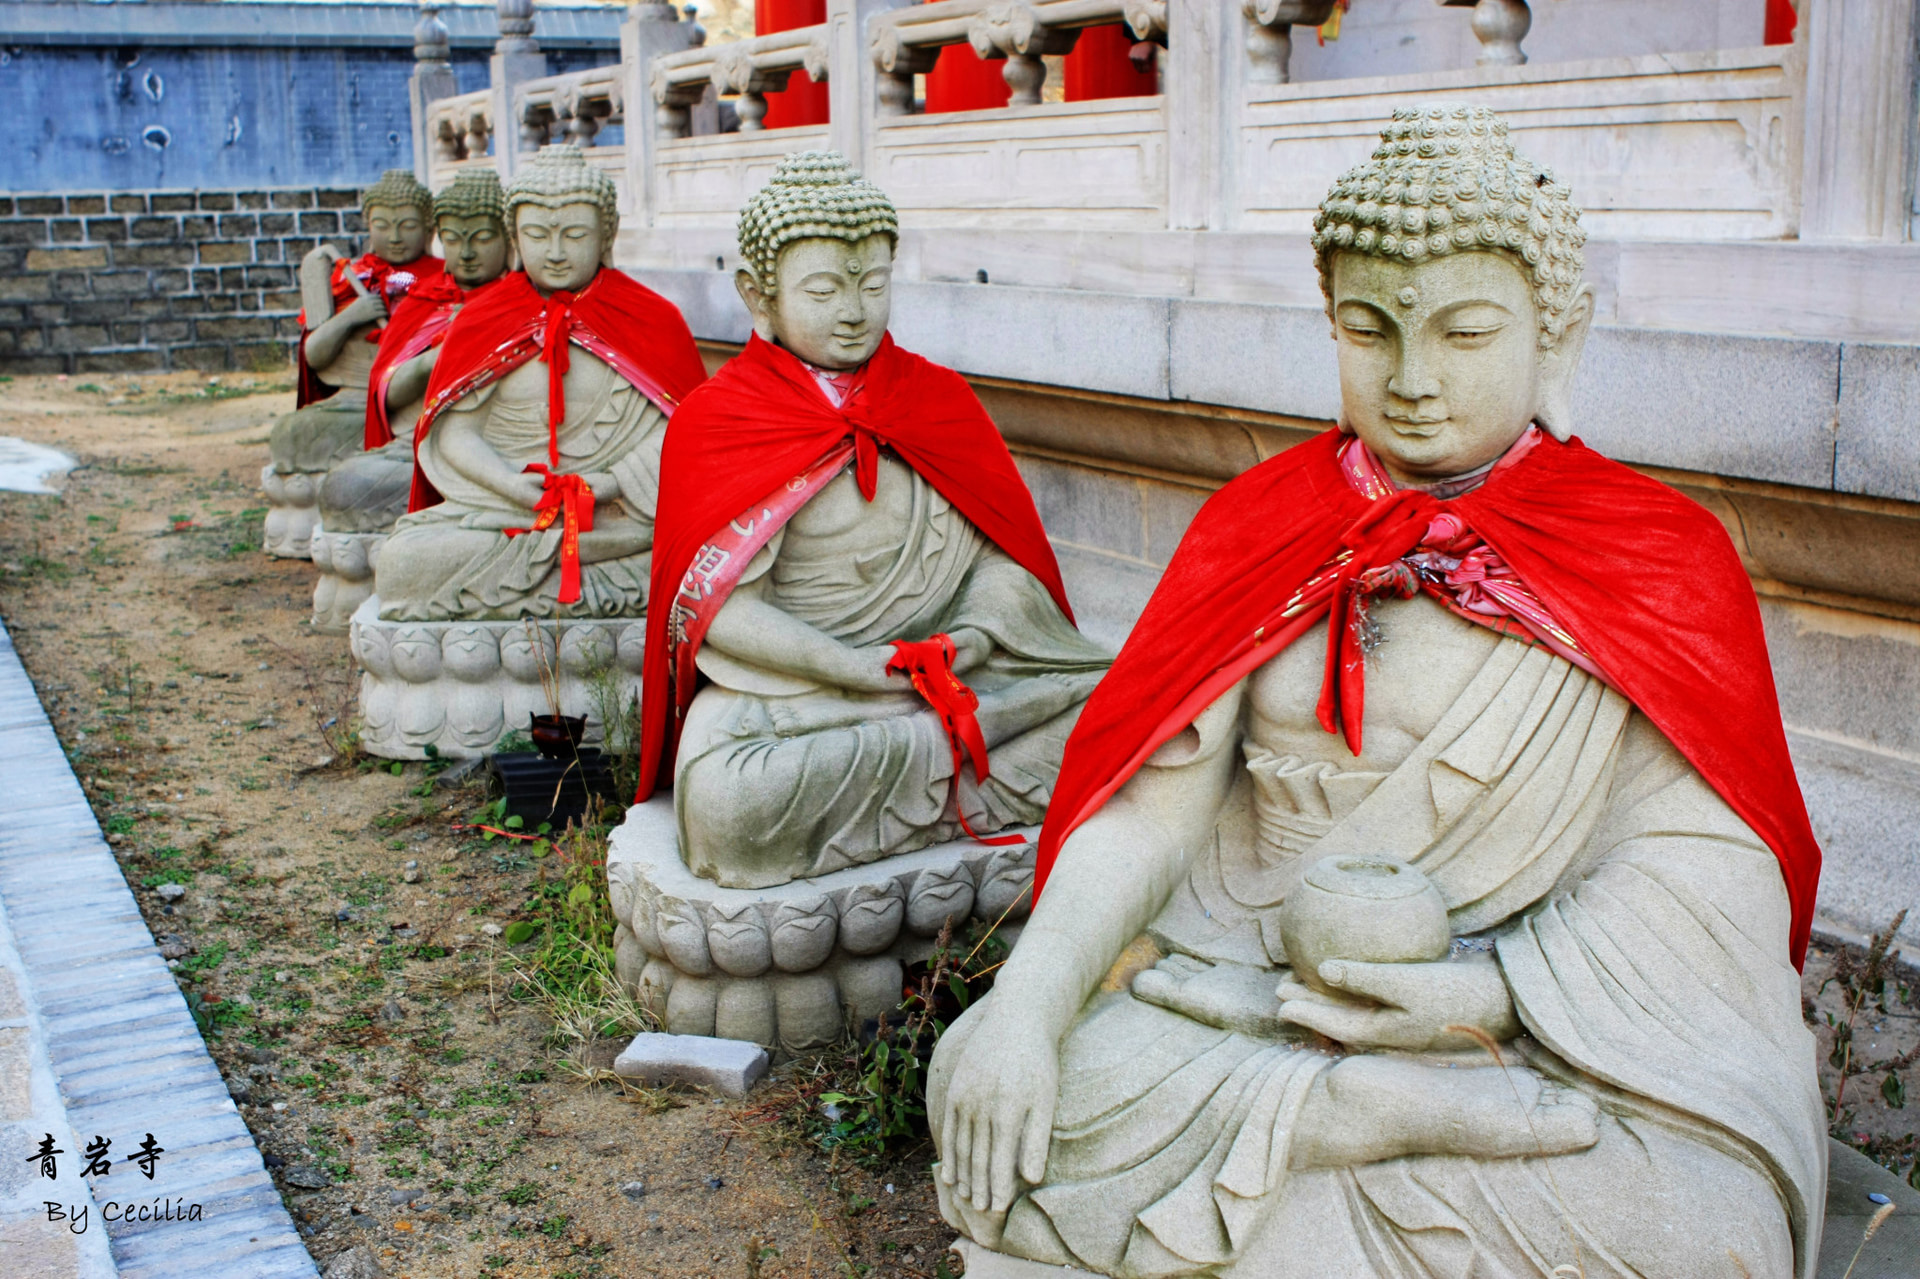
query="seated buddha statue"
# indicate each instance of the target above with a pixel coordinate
(1465, 660)
(362, 495)
(537, 446)
(346, 306)
(868, 649)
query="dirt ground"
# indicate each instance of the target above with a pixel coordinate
(333, 932)
(368, 1018)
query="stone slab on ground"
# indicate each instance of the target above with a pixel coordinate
(728, 1066)
(1894, 1250)
(109, 1049)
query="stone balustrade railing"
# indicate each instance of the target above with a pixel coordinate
(905, 42)
(750, 68)
(571, 107)
(1739, 144)
(460, 131)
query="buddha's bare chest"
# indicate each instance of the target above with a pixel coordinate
(838, 521)
(525, 389)
(1426, 661)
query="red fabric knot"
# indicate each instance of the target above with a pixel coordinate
(1375, 541)
(866, 447)
(928, 663)
(553, 353)
(568, 498)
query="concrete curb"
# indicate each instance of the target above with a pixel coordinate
(116, 1040)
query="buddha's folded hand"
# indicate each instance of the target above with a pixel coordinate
(1236, 997)
(1438, 1007)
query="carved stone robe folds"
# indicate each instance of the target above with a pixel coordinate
(892, 512)
(1648, 934)
(328, 422)
(577, 384)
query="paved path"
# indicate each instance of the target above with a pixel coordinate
(95, 1040)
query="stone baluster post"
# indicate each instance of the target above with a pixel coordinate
(516, 59)
(1203, 73)
(479, 132)
(895, 64)
(431, 81)
(1270, 25)
(1857, 146)
(854, 80)
(1500, 26)
(650, 31)
(1015, 32)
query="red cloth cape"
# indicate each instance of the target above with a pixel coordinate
(307, 385)
(416, 325)
(632, 328)
(1646, 581)
(762, 420)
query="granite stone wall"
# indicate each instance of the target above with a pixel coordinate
(121, 282)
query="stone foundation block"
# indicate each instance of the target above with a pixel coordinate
(462, 686)
(728, 1066)
(795, 967)
(346, 562)
(293, 510)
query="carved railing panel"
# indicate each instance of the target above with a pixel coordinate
(750, 68)
(460, 131)
(1672, 146)
(905, 42)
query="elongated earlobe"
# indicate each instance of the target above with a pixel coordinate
(757, 303)
(1558, 365)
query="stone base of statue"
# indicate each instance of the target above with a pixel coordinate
(1857, 1188)
(797, 966)
(461, 687)
(346, 562)
(983, 1263)
(293, 509)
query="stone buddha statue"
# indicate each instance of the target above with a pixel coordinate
(363, 495)
(859, 643)
(1430, 902)
(346, 303)
(611, 357)
(912, 523)
(536, 462)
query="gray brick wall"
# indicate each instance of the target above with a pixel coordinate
(119, 282)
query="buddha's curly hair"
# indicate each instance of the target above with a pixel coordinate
(560, 175)
(811, 194)
(473, 193)
(399, 189)
(1446, 179)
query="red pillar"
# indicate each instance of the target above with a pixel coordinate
(802, 101)
(1781, 20)
(1099, 67)
(961, 81)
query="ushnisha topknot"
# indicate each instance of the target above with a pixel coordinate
(811, 194)
(398, 189)
(1446, 179)
(473, 193)
(560, 175)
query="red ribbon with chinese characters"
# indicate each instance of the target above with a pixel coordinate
(928, 663)
(568, 498)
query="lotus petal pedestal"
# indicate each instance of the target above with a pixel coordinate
(346, 562)
(293, 509)
(462, 686)
(793, 967)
